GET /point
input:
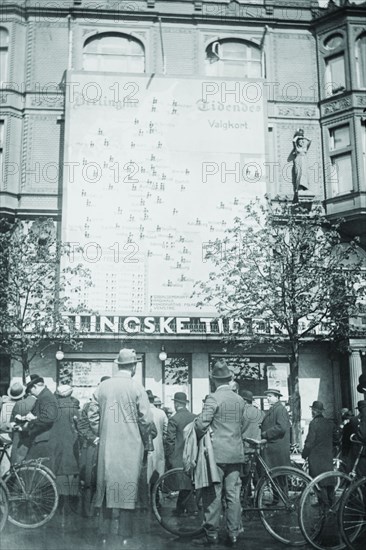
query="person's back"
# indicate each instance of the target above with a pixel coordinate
(224, 409)
(174, 442)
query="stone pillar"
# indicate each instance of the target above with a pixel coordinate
(355, 369)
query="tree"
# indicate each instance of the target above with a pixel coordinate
(285, 274)
(34, 290)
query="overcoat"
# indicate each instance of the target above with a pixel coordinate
(122, 413)
(276, 430)
(63, 437)
(318, 447)
(46, 411)
(156, 458)
(223, 412)
(174, 443)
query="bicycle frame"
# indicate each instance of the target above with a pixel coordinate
(256, 459)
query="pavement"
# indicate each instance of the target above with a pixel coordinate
(73, 532)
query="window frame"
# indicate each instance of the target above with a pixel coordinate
(358, 62)
(336, 153)
(246, 63)
(99, 54)
(6, 48)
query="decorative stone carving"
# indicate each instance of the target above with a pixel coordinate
(334, 106)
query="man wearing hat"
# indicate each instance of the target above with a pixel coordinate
(223, 414)
(174, 442)
(361, 388)
(361, 434)
(122, 418)
(43, 416)
(174, 445)
(321, 438)
(276, 431)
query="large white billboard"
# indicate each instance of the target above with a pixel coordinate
(154, 169)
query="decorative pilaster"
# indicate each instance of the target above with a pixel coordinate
(355, 369)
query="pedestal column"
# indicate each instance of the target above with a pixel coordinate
(355, 370)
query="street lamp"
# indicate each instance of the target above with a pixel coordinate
(59, 354)
(163, 354)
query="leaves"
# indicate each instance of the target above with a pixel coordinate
(34, 289)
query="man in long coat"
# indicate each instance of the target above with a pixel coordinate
(174, 442)
(276, 432)
(122, 418)
(318, 448)
(45, 412)
(223, 414)
(156, 458)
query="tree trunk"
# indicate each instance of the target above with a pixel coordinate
(295, 399)
(25, 364)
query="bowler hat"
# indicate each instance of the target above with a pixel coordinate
(35, 379)
(64, 390)
(221, 370)
(361, 388)
(157, 400)
(180, 397)
(317, 405)
(361, 404)
(16, 391)
(126, 357)
(272, 391)
(104, 378)
(247, 395)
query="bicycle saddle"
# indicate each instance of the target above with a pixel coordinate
(5, 443)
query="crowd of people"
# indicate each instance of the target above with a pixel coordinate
(119, 443)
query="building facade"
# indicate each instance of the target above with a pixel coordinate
(118, 117)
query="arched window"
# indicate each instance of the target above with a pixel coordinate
(237, 58)
(4, 44)
(113, 52)
(361, 60)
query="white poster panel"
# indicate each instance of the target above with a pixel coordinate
(156, 169)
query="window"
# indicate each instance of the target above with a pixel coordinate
(233, 58)
(113, 53)
(339, 137)
(2, 176)
(4, 43)
(177, 376)
(335, 79)
(341, 176)
(341, 160)
(334, 41)
(361, 60)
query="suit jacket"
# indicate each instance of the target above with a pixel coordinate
(223, 413)
(276, 429)
(174, 442)
(318, 446)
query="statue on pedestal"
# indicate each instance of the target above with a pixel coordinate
(300, 172)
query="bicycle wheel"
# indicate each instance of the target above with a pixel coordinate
(319, 508)
(278, 498)
(352, 515)
(33, 496)
(177, 505)
(4, 504)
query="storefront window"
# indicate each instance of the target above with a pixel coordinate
(256, 374)
(84, 376)
(177, 377)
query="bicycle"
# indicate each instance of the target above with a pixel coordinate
(320, 505)
(32, 492)
(276, 499)
(4, 504)
(352, 515)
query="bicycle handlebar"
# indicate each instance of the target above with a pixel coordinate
(253, 442)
